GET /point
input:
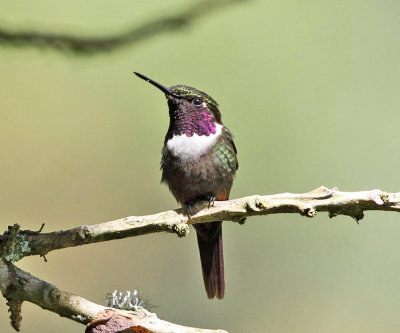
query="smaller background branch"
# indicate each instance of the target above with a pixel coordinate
(18, 286)
(93, 45)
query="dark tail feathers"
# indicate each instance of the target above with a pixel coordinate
(209, 238)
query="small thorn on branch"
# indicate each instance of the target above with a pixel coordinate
(322, 193)
(359, 216)
(41, 228)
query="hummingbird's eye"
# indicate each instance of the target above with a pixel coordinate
(197, 101)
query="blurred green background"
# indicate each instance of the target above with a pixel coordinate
(310, 89)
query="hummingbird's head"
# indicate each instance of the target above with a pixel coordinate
(191, 111)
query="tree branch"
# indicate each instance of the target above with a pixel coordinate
(17, 286)
(176, 221)
(92, 45)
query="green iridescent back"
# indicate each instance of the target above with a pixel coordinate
(225, 153)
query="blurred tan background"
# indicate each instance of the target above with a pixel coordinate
(310, 90)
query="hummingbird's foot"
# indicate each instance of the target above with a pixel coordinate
(211, 200)
(187, 207)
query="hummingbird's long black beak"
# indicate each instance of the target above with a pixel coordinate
(164, 89)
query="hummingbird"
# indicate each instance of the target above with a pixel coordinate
(198, 164)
